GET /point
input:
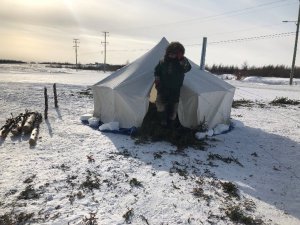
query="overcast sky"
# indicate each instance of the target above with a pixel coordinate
(43, 30)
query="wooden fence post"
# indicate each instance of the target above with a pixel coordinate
(55, 96)
(46, 103)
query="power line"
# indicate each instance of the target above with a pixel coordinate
(268, 36)
(90, 53)
(247, 11)
(218, 16)
(235, 31)
(254, 38)
(129, 50)
(245, 29)
(116, 50)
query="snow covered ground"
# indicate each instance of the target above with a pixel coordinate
(145, 183)
(36, 73)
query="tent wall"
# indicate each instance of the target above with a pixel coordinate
(124, 96)
(214, 108)
(187, 108)
(110, 105)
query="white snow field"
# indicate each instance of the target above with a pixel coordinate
(151, 183)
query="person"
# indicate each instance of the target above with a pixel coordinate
(169, 75)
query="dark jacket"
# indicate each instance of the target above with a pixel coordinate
(170, 75)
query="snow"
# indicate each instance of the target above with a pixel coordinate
(203, 135)
(270, 80)
(94, 122)
(37, 73)
(109, 126)
(221, 128)
(85, 117)
(260, 80)
(227, 77)
(265, 141)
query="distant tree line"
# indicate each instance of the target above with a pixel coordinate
(9, 61)
(56, 63)
(96, 66)
(245, 70)
(108, 67)
(90, 66)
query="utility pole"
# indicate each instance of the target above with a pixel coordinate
(104, 42)
(203, 54)
(295, 46)
(76, 42)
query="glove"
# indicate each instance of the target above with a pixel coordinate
(184, 63)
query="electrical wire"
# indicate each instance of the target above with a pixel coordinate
(220, 15)
(128, 50)
(267, 36)
(245, 29)
(253, 38)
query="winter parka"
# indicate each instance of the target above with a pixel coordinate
(170, 74)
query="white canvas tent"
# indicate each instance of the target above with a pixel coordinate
(124, 95)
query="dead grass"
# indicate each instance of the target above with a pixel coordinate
(29, 179)
(128, 216)
(231, 189)
(280, 101)
(15, 219)
(242, 103)
(135, 183)
(237, 215)
(224, 159)
(29, 193)
(92, 181)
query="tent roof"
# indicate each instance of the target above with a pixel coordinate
(143, 65)
(134, 75)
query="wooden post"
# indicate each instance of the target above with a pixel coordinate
(28, 126)
(35, 131)
(46, 103)
(33, 136)
(6, 128)
(55, 96)
(17, 128)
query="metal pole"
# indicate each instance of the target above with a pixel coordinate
(295, 49)
(105, 42)
(105, 52)
(76, 42)
(203, 54)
